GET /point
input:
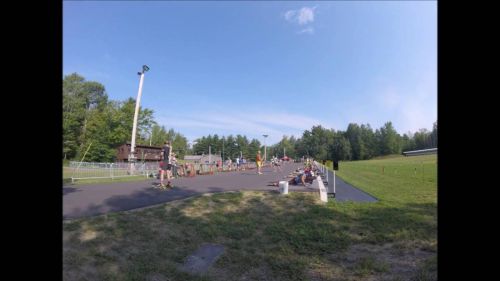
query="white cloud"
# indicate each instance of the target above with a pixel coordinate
(308, 30)
(292, 121)
(302, 16)
(306, 15)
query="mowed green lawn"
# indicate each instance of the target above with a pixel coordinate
(271, 237)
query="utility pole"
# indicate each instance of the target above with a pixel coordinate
(150, 137)
(131, 157)
(265, 148)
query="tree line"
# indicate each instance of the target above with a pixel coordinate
(355, 143)
(358, 142)
(95, 126)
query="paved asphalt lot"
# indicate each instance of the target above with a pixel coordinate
(95, 199)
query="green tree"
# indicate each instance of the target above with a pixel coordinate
(242, 145)
(158, 135)
(252, 149)
(354, 135)
(389, 140)
(434, 135)
(80, 98)
(110, 126)
(423, 139)
(407, 142)
(339, 148)
(314, 143)
(369, 142)
(286, 145)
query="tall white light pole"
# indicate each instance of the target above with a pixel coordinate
(265, 148)
(131, 156)
(150, 137)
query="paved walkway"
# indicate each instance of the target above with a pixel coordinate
(347, 192)
(95, 199)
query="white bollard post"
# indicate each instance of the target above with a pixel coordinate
(333, 182)
(327, 175)
(283, 186)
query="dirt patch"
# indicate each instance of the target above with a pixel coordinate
(202, 259)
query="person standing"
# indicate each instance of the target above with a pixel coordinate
(166, 164)
(238, 163)
(258, 161)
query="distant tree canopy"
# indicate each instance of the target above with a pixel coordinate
(94, 123)
(228, 147)
(356, 143)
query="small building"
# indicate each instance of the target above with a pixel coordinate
(420, 152)
(202, 159)
(143, 153)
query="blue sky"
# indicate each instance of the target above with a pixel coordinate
(254, 68)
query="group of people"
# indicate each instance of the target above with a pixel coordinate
(240, 164)
(168, 166)
(304, 176)
(275, 163)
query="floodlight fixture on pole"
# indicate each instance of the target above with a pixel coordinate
(131, 156)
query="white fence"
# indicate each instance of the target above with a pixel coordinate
(94, 170)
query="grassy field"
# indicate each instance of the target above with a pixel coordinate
(271, 237)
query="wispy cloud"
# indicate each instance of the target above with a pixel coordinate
(390, 99)
(287, 120)
(309, 30)
(302, 16)
(253, 126)
(419, 110)
(414, 109)
(289, 15)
